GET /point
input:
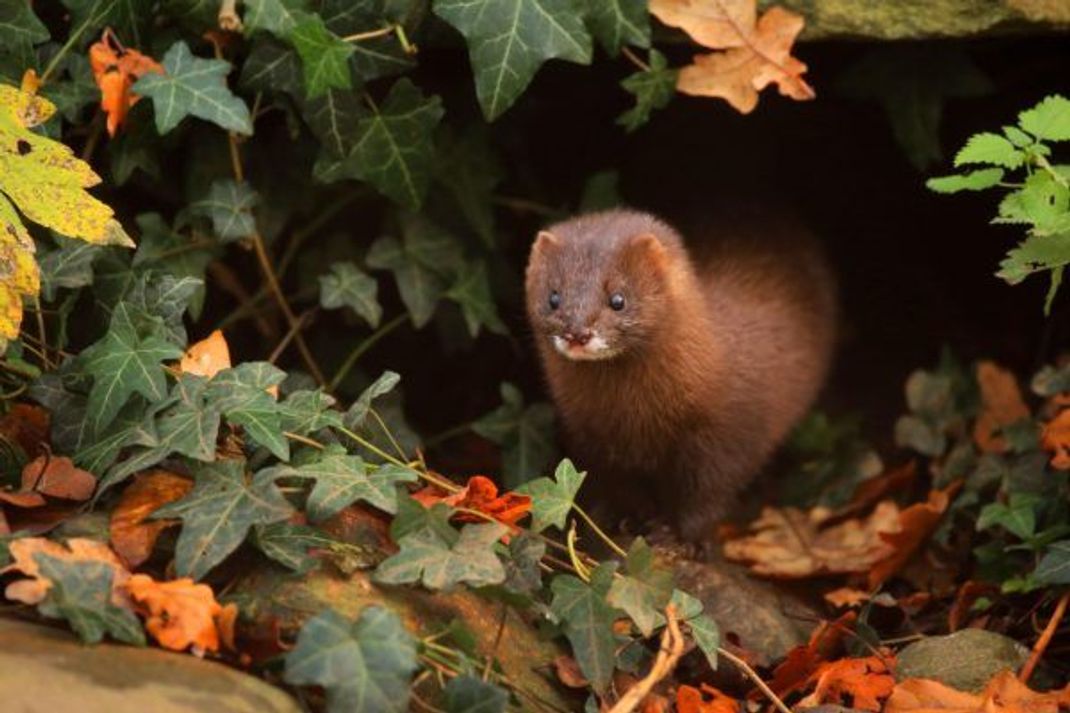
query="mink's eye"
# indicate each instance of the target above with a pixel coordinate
(555, 299)
(616, 301)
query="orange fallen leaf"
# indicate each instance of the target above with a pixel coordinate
(1056, 439)
(1003, 694)
(1001, 405)
(693, 700)
(58, 477)
(568, 672)
(859, 683)
(717, 24)
(34, 589)
(22, 499)
(180, 614)
(967, 595)
(227, 622)
(802, 661)
(207, 357)
(479, 494)
(133, 535)
(916, 524)
(846, 597)
(115, 69)
(871, 490)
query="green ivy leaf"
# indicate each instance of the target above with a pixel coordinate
(427, 557)
(81, 594)
(471, 291)
(469, 171)
(358, 412)
(342, 480)
(1050, 119)
(644, 591)
(193, 86)
(413, 518)
(217, 514)
(469, 694)
(272, 67)
(653, 89)
(972, 181)
(190, 426)
(68, 266)
(376, 56)
(304, 412)
(126, 361)
(525, 434)
(163, 248)
(707, 636)
(588, 622)
(122, 15)
(230, 206)
(137, 146)
(334, 118)
(1054, 566)
(990, 149)
(324, 56)
(241, 394)
(279, 17)
(347, 286)
(522, 573)
(616, 23)
(19, 26)
(508, 40)
(1017, 516)
(289, 544)
(551, 500)
(365, 667)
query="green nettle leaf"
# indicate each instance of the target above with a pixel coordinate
(123, 363)
(306, 411)
(991, 149)
(324, 56)
(347, 286)
(644, 591)
(279, 17)
(469, 694)
(230, 206)
(289, 544)
(1054, 566)
(508, 40)
(526, 435)
(1018, 516)
(333, 119)
(472, 292)
(653, 89)
(587, 622)
(81, 594)
(241, 394)
(616, 23)
(365, 667)
(69, 266)
(342, 480)
(193, 86)
(425, 556)
(272, 67)
(358, 412)
(1050, 119)
(972, 181)
(551, 500)
(19, 26)
(1034, 254)
(1042, 201)
(217, 514)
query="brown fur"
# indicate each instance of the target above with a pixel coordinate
(722, 351)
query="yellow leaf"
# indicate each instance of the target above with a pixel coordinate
(207, 357)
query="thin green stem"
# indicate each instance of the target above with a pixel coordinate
(360, 440)
(363, 347)
(598, 531)
(386, 431)
(446, 435)
(58, 57)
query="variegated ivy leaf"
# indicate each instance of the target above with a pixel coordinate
(230, 205)
(616, 23)
(347, 286)
(324, 56)
(525, 433)
(425, 556)
(279, 17)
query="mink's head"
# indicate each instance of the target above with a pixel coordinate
(598, 286)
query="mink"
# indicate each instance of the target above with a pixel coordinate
(676, 371)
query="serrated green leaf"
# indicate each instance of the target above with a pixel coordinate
(1054, 566)
(508, 40)
(426, 557)
(80, 592)
(616, 23)
(551, 500)
(644, 590)
(347, 286)
(1018, 137)
(471, 291)
(272, 67)
(289, 544)
(1042, 202)
(1035, 253)
(241, 394)
(193, 87)
(365, 667)
(525, 434)
(469, 694)
(1049, 120)
(217, 514)
(588, 624)
(653, 89)
(990, 149)
(972, 181)
(304, 412)
(324, 56)
(342, 480)
(279, 17)
(358, 412)
(230, 206)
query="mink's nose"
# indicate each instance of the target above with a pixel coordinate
(578, 338)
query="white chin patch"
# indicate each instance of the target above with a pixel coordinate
(597, 348)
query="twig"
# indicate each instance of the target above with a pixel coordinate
(45, 361)
(95, 130)
(1045, 638)
(369, 35)
(634, 58)
(229, 283)
(753, 676)
(291, 334)
(363, 347)
(598, 531)
(672, 648)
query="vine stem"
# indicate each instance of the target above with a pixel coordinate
(634, 58)
(58, 57)
(304, 317)
(669, 653)
(363, 347)
(45, 361)
(753, 676)
(1045, 638)
(440, 482)
(370, 34)
(598, 531)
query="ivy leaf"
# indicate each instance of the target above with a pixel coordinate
(163, 248)
(413, 518)
(365, 667)
(69, 266)
(1035, 253)
(508, 40)
(420, 287)
(19, 26)
(551, 500)
(1018, 516)
(271, 67)
(522, 573)
(991, 149)
(342, 480)
(324, 56)
(190, 426)
(347, 286)
(97, 451)
(469, 171)
(217, 514)
(138, 146)
(124, 15)
(193, 86)
(469, 694)
(376, 56)
(1050, 119)
(123, 363)
(241, 394)
(333, 118)
(1054, 566)
(972, 181)
(472, 292)
(616, 23)
(707, 636)
(588, 622)
(653, 89)
(644, 591)
(306, 411)
(354, 417)
(230, 206)
(80, 592)
(289, 544)
(524, 433)
(425, 556)
(279, 17)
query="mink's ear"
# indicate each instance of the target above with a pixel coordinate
(545, 242)
(646, 251)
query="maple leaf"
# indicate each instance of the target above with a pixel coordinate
(1003, 694)
(693, 700)
(132, 534)
(864, 681)
(24, 552)
(1001, 405)
(179, 614)
(57, 477)
(713, 23)
(115, 69)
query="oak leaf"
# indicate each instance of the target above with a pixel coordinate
(693, 700)
(180, 614)
(115, 69)
(57, 477)
(34, 589)
(1003, 694)
(133, 535)
(1056, 439)
(1001, 405)
(860, 683)
(207, 357)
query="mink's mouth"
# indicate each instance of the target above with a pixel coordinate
(594, 349)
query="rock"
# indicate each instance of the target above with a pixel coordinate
(44, 670)
(965, 660)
